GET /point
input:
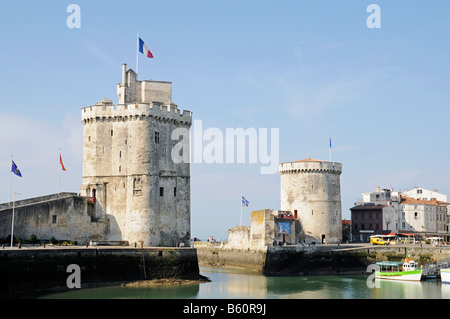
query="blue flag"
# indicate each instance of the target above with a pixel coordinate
(15, 170)
(330, 142)
(244, 202)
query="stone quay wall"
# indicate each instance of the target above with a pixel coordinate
(42, 270)
(318, 260)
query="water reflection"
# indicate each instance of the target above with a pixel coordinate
(390, 289)
(232, 284)
(236, 284)
(121, 292)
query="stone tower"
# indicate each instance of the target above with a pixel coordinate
(311, 190)
(139, 192)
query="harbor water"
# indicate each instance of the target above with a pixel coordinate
(238, 284)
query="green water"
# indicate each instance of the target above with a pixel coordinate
(235, 284)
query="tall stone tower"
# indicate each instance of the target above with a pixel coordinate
(311, 190)
(128, 171)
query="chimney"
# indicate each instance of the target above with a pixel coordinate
(124, 74)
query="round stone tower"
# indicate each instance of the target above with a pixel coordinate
(311, 190)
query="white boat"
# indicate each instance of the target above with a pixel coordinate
(445, 275)
(393, 270)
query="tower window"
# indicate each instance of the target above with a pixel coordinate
(120, 154)
(112, 132)
(174, 191)
(161, 191)
(120, 169)
(157, 137)
(54, 219)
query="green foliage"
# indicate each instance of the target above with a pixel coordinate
(32, 239)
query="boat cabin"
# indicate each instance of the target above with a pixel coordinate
(397, 266)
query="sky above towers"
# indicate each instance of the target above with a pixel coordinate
(312, 69)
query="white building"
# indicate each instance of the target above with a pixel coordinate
(425, 194)
(418, 211)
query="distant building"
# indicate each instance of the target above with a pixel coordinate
(425, 194)
(267, 228)
(346, 230)
(387, 212)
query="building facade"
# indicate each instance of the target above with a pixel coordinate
(267, 228)
(310, 189)
(387, 212)
(128, 169)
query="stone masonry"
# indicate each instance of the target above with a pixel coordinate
(128, 170)
(311, 190)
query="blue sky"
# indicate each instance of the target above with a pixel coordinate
(313, 69)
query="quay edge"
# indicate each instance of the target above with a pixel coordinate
(318, 260)
(44, 270)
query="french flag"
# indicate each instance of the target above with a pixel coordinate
(144, 50)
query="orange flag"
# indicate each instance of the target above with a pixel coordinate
(62, 165)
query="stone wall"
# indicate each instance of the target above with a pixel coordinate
(249, 259)
(45, 270)
(314, 260)
(64, 216)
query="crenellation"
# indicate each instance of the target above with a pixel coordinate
(142, 111)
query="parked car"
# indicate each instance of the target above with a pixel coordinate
(378, 241)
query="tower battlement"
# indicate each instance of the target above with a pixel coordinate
(105, 110)
(310, 166)
(138, 100)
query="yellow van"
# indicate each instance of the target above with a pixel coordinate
(378, 241)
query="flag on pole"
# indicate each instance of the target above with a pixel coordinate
(15, 170)
(330, 141)
(62, 165)
(244, 202)
(144, 49)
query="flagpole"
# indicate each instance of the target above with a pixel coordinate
(137, 56)
(59, 177)
(10, 181)
(241, 208)
(12, 224)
